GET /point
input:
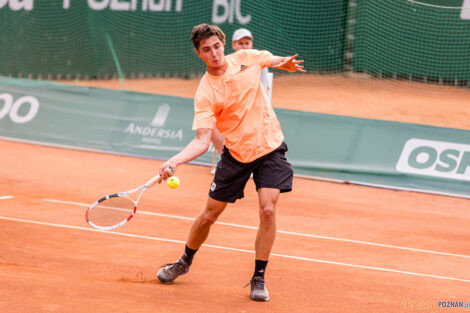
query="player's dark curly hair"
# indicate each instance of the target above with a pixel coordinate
(203, 31)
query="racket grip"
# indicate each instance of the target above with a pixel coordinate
(157, 179)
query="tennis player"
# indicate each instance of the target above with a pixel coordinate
(230, 98)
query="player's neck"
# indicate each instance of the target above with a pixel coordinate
(219, 70)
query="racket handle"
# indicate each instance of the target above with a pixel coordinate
(156, 179)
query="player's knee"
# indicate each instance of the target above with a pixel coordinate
(208, 219)
(267, 214)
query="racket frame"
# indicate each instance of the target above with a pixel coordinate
(125, 194)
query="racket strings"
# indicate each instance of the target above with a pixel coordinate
(111, 211)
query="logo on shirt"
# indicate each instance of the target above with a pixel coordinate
(242, 67)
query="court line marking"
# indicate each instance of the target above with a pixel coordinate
(235, 249)
(284, 232)
(6, 197)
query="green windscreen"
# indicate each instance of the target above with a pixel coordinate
(413, 40)
(62, 39)
(427, 40)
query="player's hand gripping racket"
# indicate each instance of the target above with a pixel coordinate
(115, 210)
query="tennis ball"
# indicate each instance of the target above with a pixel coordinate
(173, 182)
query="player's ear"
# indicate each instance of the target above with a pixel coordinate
(197, 52)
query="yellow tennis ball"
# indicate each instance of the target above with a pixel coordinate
(173, 182)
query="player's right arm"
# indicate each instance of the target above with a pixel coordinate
(198, 146)
(203, 124)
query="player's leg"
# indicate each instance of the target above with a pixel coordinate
(201, 226)
(197, 235)
(228, 185)
(267, 227)
(273, 176)
(264, 241)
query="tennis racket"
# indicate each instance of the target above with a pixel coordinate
(115, 210)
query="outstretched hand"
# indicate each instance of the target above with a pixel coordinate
(290, 64)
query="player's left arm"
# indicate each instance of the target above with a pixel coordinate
(289, 64)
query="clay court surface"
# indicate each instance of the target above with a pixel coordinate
(339, 248)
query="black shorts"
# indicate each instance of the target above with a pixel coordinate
(269, 171)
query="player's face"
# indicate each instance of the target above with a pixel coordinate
(211, 51)
(244, 43)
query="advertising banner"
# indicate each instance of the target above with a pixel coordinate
(115, 121)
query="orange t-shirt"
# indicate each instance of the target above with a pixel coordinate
(240, 107)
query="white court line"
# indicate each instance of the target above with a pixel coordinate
(285, 232)
(237, 250)
(6, 197)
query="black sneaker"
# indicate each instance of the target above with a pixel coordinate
(258, 289)
(169, 272)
